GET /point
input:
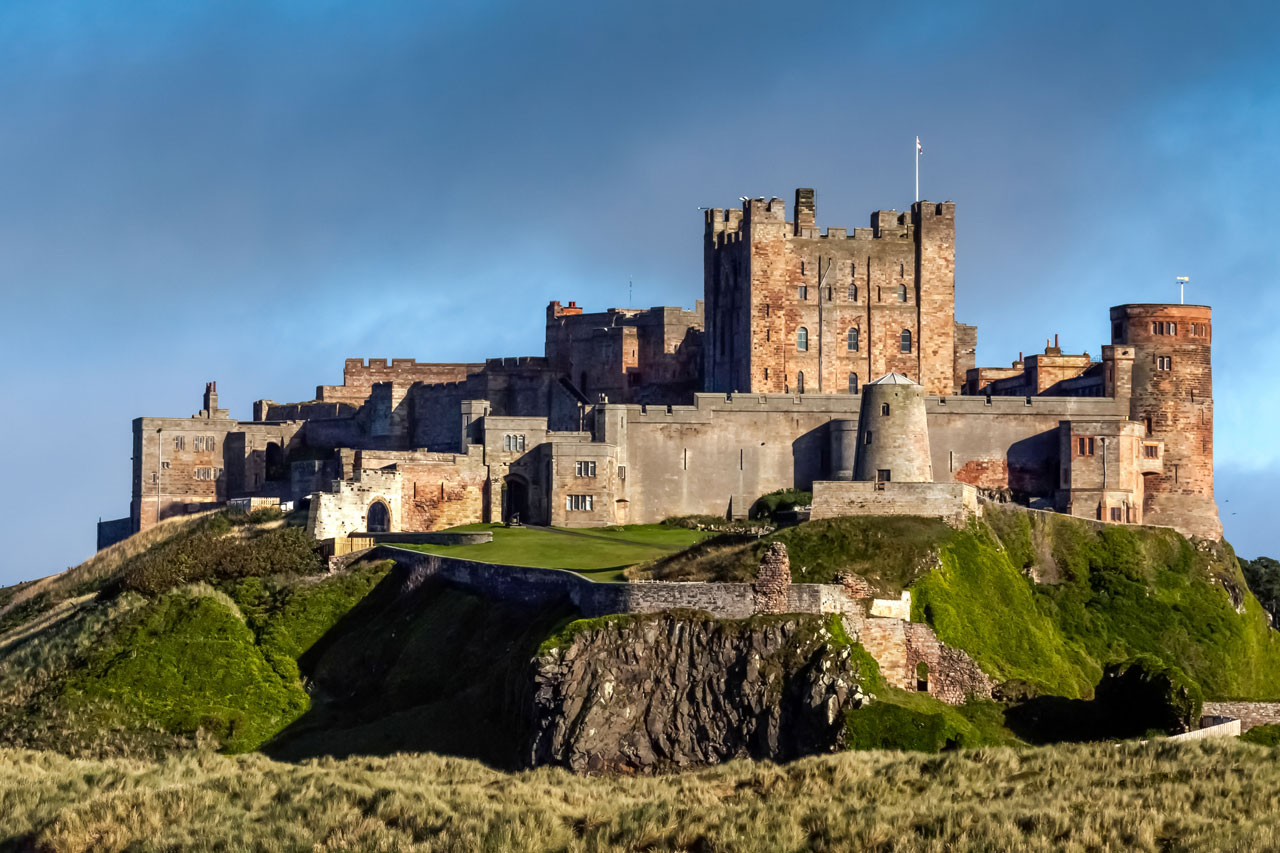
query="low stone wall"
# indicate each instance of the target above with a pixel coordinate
(1223, 728)
(954, 503)
(1249, 714)
(897, 644)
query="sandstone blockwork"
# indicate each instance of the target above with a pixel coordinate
(772, 580)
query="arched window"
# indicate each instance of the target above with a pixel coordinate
(902, 293)
(853, 383)
(853, 338)
(884, 409)
(802, 339)
(853, 293)
(800, 382)
(906, 340)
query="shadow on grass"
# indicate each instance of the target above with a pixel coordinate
(428, 669)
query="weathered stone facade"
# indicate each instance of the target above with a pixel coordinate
(637, 445)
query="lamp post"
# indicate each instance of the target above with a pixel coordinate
(159, 468)
(1183, 281)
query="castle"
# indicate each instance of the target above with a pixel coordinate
(828, 361)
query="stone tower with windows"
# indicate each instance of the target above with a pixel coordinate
(790, 309)
(1172, 399)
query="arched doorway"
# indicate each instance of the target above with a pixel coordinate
(516, 504)
(275, 467)
(379, 520)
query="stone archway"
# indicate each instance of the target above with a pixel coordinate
(379, 518)
(516, 504)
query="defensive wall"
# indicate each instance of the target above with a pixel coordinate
(899, 645)
(724, 451)
(360, 375)
(954, 503)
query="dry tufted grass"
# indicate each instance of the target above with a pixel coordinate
(1219, 795)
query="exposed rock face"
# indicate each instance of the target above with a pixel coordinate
(641, 694)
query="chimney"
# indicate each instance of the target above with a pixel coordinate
(210, 397)
(805, 215)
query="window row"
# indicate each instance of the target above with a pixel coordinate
(854, 387)
(802, 293)
(579, 503)
(854, 339)
(1160, 327)
(202, 442)
(207, 473)
(513, 442)
(586, 468)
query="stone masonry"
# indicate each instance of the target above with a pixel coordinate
(772, 580)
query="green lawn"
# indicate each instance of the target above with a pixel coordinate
(596, 553)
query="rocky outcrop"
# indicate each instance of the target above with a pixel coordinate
(640, 694)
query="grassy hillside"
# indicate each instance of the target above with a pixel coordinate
(1109, 593)
(1209, 795)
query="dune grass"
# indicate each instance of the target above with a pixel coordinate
(1158, 796)
(599, 553)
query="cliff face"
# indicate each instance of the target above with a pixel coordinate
(650, 693)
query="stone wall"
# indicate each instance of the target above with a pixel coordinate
(954, 503)
(1249, 714)
(345, 510)
(359, 376)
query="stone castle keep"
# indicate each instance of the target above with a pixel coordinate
(824, 360)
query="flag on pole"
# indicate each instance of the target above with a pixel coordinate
(919, 147)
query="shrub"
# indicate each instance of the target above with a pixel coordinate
(783, 500)
(1263, 735)
(1143, 694)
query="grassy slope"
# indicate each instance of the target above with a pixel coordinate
(1210, 795)
(1119, 592)
(598, 553)
(890, 551)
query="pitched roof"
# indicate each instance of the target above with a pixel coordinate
(893, 379)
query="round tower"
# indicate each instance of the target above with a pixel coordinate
(1172, 397)
(893, 433)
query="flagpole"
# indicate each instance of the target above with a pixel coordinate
(917, 168)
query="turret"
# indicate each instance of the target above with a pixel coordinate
(1172, 398)
(893, 432)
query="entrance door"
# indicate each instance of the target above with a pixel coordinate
(517, 503)
(379, 518)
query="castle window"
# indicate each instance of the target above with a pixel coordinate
(902, 270)
(800, 382)
(1116, 328)
(1115, 514)
(586, 468)
(853, 383)
(802, 271)
(199, 443)
(1148, 423)
(853, 339)
(165, 464)
(883, 475)
(513, 442)
(902, 293)
(208, 442)
(1151, 451)
(802, 339)
(866, 437)
(766, 374)
(1164, 362)
(1173, 328)
(853, 293)
(180, 442)
(802, 292)
(579, 503)
(768, 334)
(1084, 446)
(884, 409)
(766, 309)
(828, 294)
(905, 345)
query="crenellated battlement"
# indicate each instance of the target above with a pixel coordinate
(725, 226)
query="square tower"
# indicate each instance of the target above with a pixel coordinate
(792, 310)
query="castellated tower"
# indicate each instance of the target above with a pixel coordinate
(1172, 397)
(893, 432)
(790, 309)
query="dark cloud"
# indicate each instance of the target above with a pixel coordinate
(252, 192)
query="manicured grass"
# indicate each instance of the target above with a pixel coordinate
(596, 553)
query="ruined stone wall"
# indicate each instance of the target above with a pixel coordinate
(443, 493)
(345, 509)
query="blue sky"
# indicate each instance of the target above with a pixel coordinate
(252, 192)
